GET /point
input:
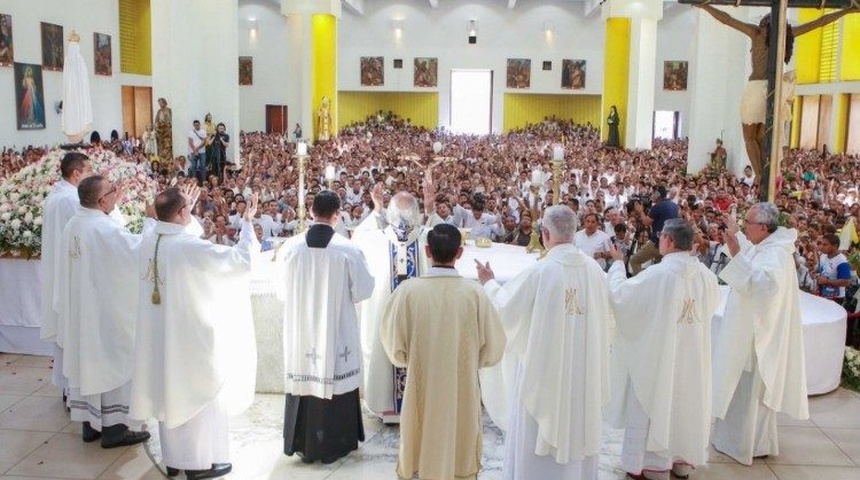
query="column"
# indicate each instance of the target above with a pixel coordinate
(194, 65)
(636, 107)
(717, 77)
(317, 22)
(839, 121)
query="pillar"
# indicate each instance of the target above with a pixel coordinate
(636, 108)
(195, 65)
(317, 22)
(839, 121)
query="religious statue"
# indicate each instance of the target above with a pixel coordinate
(209, 126)
(718, 156)
(164, 131)
(754, 98)
(613, 139)
(150, 143)
(324, 120)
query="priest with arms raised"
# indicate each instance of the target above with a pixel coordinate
(195, 354)
(556, 315)
(442, 348)
(324, 276)
(661, 359)
(759, 365)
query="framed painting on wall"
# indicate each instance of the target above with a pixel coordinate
(519, 73)
(372, 71)
(52, 47)
(29, 97)
(7, 52)
(675, 76)
(246, 70)
(573, 74)
(102, 50)
(426, 72)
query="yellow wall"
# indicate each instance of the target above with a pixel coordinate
(422, 108)
(524, 108)
(850, 69)
(324, 64)
(796, 116)
(135, 37)
(807, 48)
(616, 73)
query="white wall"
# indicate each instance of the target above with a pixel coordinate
(443, 33)
(86, 17)
(677, 24)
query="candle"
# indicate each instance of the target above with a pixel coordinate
(537, 176)
(302, 148)
(329, 172)
(557, 153)
(437, 147)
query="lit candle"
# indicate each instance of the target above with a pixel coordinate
(557, 153)
(329, 172)
(302, 148)
(537, 176)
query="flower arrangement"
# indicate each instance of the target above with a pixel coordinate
(851, 369)
(23, 194)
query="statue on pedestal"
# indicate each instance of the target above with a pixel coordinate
(324, 120)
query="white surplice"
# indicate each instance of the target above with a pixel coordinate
(322, 348)
(761, 335)
(661, 359)
(97, 301)
(556, 315)
(376, 242)
(197, 346)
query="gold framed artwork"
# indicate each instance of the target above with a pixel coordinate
(52, 47)
(372, 71)
(426, 72)
(573, 74)
(7, 50)
(246, 70)
(102, 54)
(519, 73)
(675, 76)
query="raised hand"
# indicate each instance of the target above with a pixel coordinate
(376, 195)
(485, 273)
(251, 211)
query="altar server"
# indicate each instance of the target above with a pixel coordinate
(195, 353)
(97, 330)
(393, 242)
(59, 207)
(661, 360)
(324, 275)
(442, 348)
(556, 315)
(759, 361)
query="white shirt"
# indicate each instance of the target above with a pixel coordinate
(596, 242)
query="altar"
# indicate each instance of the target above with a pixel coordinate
(21, 308)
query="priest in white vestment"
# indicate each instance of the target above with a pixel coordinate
(393, 243)
(59, 207)
(324, 276)
(661, 359)
(556, 315)
(97, 308)
(195, 352)
(759, 367)
(442, 328)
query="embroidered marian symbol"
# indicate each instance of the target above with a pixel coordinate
(75, 250)
(688, 314)
(571, 303)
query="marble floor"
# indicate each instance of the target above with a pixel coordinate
(37, 440)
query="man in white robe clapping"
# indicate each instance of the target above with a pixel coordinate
(661, 359)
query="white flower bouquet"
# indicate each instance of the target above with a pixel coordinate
(851, 369)
(23, 195)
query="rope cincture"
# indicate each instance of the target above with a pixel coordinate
(156, 295)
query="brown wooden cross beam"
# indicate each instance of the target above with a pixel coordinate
(771, 156)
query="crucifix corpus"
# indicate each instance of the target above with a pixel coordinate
(759, 111)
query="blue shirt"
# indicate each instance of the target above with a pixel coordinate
(661, 211)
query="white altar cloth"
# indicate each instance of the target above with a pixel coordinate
(20, 307)
(824, 324)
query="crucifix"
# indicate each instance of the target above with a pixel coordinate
(345, 355)
(313, 356)
(761, 127)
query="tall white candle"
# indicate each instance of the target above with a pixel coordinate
(302, 148)
(329, 172)
(537, 176)
(557, 153)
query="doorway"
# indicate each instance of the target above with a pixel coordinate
(136, 109)
(276, 119)
(472, 101)
(667, 124)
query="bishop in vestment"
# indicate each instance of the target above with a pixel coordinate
(759, 364)
(324, 277)
(556, 316)
(661, 360)
(442, 348)
(60, 206)
(195, 353)
(393, 242)
(97, 330)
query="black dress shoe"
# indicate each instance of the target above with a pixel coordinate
(89, 434)
(217, 470)
(122, 438)
(172, 472)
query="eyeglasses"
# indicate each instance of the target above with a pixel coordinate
(109, 192)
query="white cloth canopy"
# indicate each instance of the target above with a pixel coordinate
(77, 106)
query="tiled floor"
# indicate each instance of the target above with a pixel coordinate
(37, 440)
